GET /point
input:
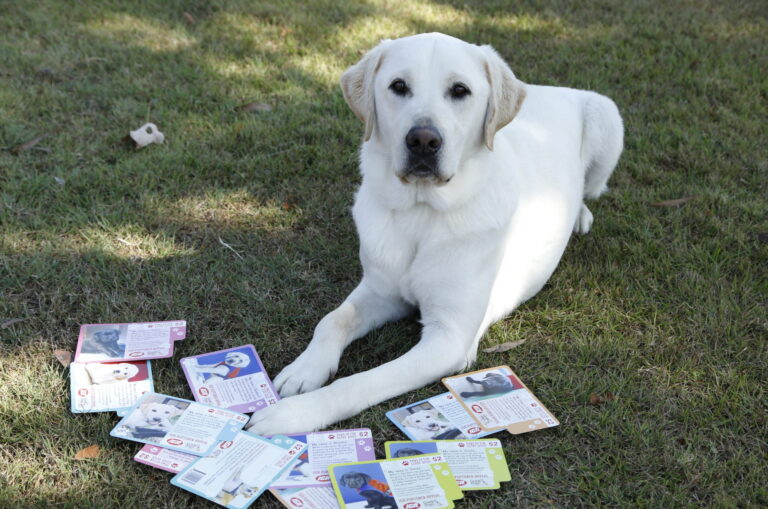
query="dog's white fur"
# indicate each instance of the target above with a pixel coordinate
(465, 247)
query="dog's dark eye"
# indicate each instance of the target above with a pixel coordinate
(399, 87)
(459, 91)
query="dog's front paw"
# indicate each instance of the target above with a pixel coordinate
(308, 372)
(306, 412)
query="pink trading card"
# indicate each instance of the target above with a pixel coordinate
(164, 459)
(233, 378)
(116, 342)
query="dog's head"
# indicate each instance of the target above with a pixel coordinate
(124, 371)
(106, 336)
(354, 480)
(430, 102)
(428, 420)
(237, 359)
(158, 413)
(408, 451)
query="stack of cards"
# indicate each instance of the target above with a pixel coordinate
(497, 399)
(234, 378)
(106, 375)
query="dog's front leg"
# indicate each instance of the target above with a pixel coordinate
(362, 311)
(445, 347)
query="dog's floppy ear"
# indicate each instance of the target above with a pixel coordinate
(357, 86)
(506, 97)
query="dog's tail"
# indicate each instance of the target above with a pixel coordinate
(601, 143)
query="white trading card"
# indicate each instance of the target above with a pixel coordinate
(325, 448)
(108, 386)
(178, 424)
(238, 471)
(307, 498)
(164, 459)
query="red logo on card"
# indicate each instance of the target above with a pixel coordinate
(203, 391)
(175, 441)
(322, 478)
(477, 409)
(136, 354)
(405, 463)
(82, 392)
(461, 482)
(174, 465)
(296, 502)
(474, 430)
(331, 437)
(412, 505)
(225, 445)
(461, 445)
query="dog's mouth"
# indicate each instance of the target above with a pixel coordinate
(422, 171)
(433, 427)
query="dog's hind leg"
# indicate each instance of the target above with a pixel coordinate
(362, 311)
(601, 144)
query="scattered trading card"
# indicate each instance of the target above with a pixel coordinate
(114, 342)
(307, 498)
(323, 449)
(438, 418)
(178, 424)
(108, 386)
(234, 378)
(476, 464)
(417, 482)
(497, 399)
(238, 471)
(164, 459)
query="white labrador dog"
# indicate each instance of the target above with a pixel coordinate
(472, 184)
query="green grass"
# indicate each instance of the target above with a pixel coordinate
(665, 308)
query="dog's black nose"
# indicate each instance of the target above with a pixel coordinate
(423, 140)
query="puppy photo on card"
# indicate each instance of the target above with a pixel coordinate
(105, 342)
(105, 387)
(234, 378)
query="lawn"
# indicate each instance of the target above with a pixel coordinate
(649, 342)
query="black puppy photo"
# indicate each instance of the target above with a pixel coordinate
(492, 383)
(104, 342)
(376, 493)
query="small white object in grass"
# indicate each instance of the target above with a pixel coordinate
(146, 134)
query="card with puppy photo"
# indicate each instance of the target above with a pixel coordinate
(108, 386)
(440, 417)
(237, 472)
(306, 498)
(323, 449)
(164, 459)
(233, 378)
(178, 424)
(476, 464)
(417, 482)
(497, 399)
(115, 342)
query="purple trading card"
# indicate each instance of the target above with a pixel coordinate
(117, 342)
(233, 378)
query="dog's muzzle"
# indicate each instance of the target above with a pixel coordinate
(423, 143)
